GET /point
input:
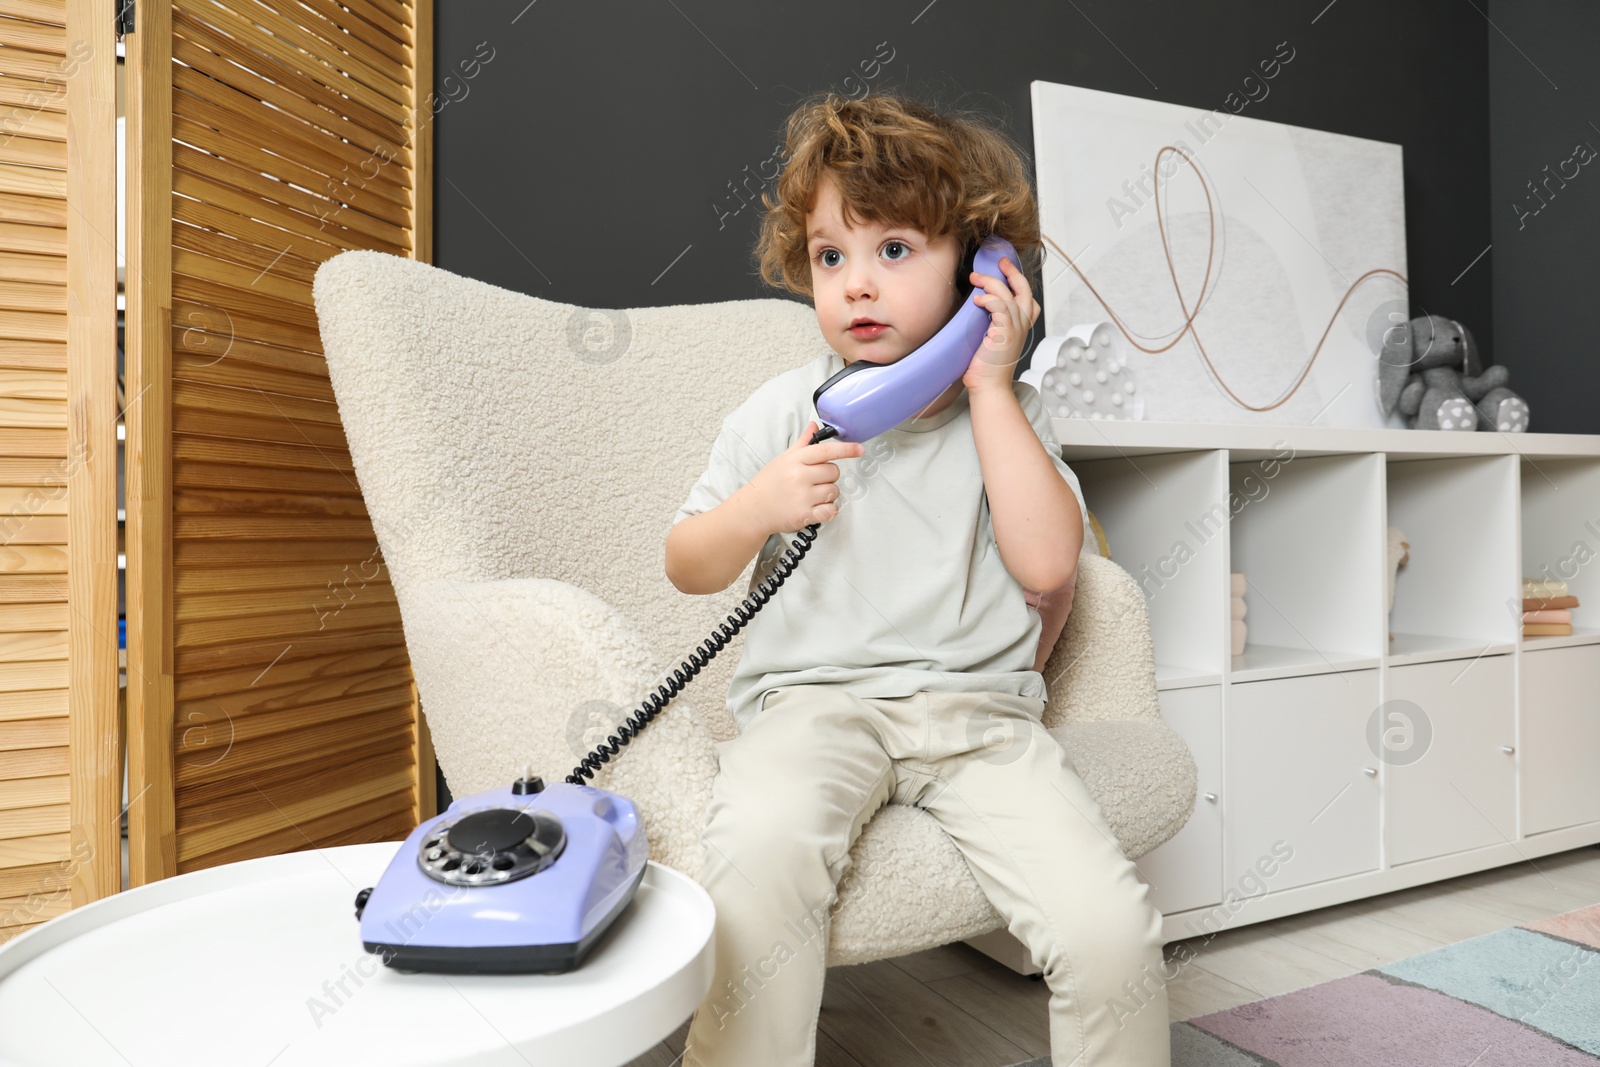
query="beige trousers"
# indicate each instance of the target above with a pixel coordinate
(794, 791)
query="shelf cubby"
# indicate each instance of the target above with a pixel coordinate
(1561, 538)
(1307, 536)
(1458, 594)
(1165, 518)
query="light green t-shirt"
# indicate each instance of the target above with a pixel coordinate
(904, 590)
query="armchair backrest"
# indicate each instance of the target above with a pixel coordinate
(496, 434)
(500, 435)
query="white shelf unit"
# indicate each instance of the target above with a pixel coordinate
(1335, 762)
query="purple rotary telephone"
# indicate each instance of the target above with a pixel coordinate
(528, 878)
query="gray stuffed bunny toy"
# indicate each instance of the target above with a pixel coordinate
(1430, 368)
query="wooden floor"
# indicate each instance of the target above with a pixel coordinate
(955, 1006)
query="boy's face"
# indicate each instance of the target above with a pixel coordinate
(892, 275)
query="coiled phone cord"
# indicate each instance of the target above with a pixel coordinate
(725, 632)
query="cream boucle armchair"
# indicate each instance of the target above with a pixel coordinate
(521, 461)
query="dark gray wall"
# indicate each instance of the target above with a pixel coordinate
(591, 159)
(1544, 85)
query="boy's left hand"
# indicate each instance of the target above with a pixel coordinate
(1012, 311)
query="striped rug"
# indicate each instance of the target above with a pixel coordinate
(1524, 997)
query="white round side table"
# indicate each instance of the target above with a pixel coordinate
(260, 963)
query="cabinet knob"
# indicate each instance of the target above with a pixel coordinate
(1373, 771)
(1508, 749)
(1212, 797)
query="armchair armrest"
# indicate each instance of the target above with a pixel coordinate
(1103, 667)
(521, 671)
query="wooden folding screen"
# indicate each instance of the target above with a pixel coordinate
(60, 749)
(270, 701)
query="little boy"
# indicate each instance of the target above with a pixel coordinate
(908, 634)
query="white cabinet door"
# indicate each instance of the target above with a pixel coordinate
(1446, 738)
(1186, 871)
(1560, 713)
(1299, 778)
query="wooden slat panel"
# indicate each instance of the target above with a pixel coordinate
(36, 822)
(44, 474)
(327, 483)
(400, 13)
(267, 429)
(288, 703)
(269, 654)
(34, 878)
(32, 559)
(247, 821)
(294, 675)
(338, 71)
(30, 96)
(30, 589)
(289, 554)
(32, 325)
(38, 66)
(364, 26)
(295, 223)
(237, 101)
(26, 851)
(26, 296)
(34, 763)
(32, 704)
(252, 364)
(187, 210)
(245, 312)
(26, 117)
(255, 402)
(32, 674)
(34, 792)
(34, 150)
(247, 757)
(303, 110)
(34, 210)
(285, 199)
(34, 529)
(26, 266)
(46, 11)
(33, 500)
(205, 333)
(60, 781)
(34, 355)
(375, 17)
(19, 734)
(296, 456)
(248, 502)
(325, 604)
(346, 827)
(32, 181)
(206, 725)
(339, 28)
(365, 618)
(310, 776)
(263, 664)
(25, 617)
(18, 645)
(257, 259)
(45, 37)
(20, 914)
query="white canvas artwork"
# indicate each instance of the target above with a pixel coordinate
(1268, 227)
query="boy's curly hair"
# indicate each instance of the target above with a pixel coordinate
(901, 162)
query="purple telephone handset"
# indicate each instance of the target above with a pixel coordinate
(865, 399)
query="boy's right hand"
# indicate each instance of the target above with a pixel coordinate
(798, 487)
